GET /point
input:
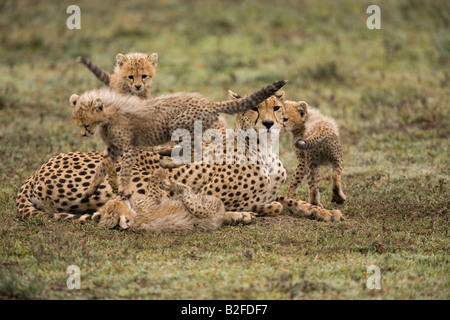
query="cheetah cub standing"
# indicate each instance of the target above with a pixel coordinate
(133, 73)
(316, 142)
(126, 123)
(183, 210)
(129, 69)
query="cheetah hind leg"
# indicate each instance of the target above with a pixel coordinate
(304, 209)
(111, 175)
(338, 196)
(99, 177)
(163, 150)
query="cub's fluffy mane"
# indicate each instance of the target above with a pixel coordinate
(314, 116)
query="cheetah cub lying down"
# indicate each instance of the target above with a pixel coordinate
(316, 142)
(126, 123)
(133, 73)
(183, 210)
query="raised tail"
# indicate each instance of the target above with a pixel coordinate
(251, 100)
(28, 207)
(102, 75)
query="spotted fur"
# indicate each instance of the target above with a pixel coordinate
(126, 123)
(316, 142)
(168, 206)
(242, 187)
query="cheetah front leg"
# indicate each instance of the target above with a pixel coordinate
(273, 208)
(109, 158)
(305, 209)
(128, 161)
(233, 218)
(99, 177)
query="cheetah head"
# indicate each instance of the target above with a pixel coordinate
(296, 115)
(114, 213)
(137, 70)
(87, 112)
(267, 115)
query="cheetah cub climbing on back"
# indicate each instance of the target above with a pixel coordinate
(133, 73)
(316, 142)
(126, 123)
(168, 206)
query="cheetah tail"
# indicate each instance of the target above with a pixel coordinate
(102, 75)
(251, 100)
(26, 208)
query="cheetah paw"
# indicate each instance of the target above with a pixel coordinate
(124, 223)
(299, 143)
(96, 217)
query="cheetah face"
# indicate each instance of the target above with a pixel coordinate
(267, 115)
(296, 115)
(87, 114)
(137, 73)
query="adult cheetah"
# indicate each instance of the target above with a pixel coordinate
(57, 188)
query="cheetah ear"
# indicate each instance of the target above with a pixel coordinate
(280, 95)
(153, 58)
(121, 59)
(98, 104)
(73, 100)
(233, 95)
(302, 106)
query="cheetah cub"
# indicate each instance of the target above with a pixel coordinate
(316, 142)
(133, 73)
(129, 69)
(126, 123)
(183, 210)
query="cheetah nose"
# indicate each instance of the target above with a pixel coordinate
(268, 124)
(137, 87)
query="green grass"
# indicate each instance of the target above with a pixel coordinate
(388, 90)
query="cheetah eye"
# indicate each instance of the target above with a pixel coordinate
(144, 76)
(302, 113)
(254, 109)
(285, 119)
(130, 77)
(276, 108)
